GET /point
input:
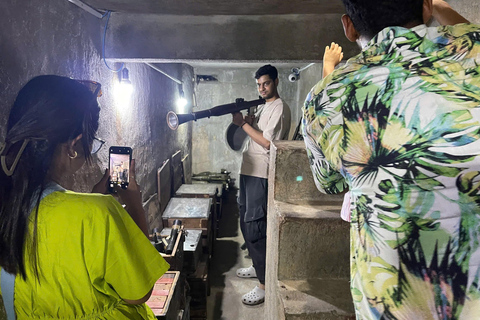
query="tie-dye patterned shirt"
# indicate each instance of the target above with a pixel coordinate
(399, 125)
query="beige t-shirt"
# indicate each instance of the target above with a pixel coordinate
(273, 119)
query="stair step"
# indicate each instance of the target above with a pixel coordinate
(310, 299)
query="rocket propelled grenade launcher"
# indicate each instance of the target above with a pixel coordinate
(174, 120)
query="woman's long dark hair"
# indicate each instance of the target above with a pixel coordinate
(49, 110)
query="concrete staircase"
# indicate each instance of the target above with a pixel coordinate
(308, 243)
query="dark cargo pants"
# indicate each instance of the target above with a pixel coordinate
(252, 204)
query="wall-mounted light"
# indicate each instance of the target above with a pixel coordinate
(123, 90)
(181, 102)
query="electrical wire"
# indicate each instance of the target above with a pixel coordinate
(307, 66)
(103, 44)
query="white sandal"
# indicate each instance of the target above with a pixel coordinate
(247, 272)
(254, 297)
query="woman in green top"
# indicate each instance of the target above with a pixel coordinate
(75, 255)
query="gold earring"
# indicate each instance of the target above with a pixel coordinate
(74, 156)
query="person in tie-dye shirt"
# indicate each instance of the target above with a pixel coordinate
(399, 126)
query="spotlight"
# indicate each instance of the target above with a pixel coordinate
(123, 90)
(181, 102)
(125, 82)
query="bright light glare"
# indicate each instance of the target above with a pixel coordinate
(181, 104)
(123, 95)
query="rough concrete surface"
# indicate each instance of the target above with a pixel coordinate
(216, 7)
(469, 9)
(292, 175)
(289, 37)
(308, 245)
(318, 245)
(323, 298)
(274, 307)
(57, 37)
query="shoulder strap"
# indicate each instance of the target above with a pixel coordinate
(7, 281)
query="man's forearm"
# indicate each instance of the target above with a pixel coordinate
(445, 14)
(256, 135)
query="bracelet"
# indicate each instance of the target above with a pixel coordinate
(243, 124)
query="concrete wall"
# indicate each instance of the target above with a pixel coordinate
(220, 7)
(56, 37)
(304, 225)
(308, 78)
(468, 9)
(210, 150)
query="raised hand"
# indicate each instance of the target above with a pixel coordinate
(331, 58)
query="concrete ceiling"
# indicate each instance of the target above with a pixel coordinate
(223, 33)
(219, 7)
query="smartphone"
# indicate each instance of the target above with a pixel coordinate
(119, 166)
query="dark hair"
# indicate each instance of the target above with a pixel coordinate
(269, 70)
(369, 17)
(49, 110)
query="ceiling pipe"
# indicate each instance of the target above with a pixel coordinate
(164, 73)
(87, 8)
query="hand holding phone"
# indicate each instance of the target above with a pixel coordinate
(132, 197)
(103, 185)
(119, 167)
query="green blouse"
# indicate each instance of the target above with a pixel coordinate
(91, 256)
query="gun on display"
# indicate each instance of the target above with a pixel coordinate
(174, 120)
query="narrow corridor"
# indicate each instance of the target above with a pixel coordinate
(224, 302)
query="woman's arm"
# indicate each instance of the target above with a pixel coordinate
(140, 301)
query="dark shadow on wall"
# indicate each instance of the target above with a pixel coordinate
(229, 221)
(224, 259)
(225, 255)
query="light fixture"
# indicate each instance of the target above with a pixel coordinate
(181, 101)
(123, 91)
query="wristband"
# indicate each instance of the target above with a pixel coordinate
(243, 124)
